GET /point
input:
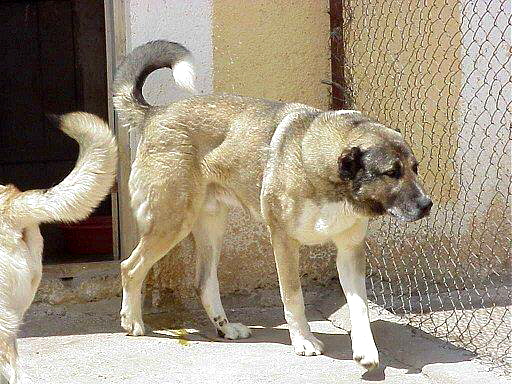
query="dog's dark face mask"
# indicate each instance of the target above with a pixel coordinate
(384, 179)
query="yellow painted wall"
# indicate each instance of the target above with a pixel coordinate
(402, 68)
(272, 49)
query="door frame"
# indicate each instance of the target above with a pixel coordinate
(124, 226)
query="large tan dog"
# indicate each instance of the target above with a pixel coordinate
(311, 176)
(21, 244)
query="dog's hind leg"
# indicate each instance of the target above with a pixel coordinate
(208, 232)
(133, 272)
(166, 201)
(152, 246)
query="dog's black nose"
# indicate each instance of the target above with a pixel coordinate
(424, 204)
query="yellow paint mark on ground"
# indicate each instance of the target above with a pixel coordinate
(182, 339)
(181, 334)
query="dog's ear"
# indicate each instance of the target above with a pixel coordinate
(350, 162)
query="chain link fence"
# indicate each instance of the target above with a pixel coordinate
(440, 72)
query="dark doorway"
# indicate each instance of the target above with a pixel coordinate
(53, 61)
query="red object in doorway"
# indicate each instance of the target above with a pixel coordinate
(89, 237)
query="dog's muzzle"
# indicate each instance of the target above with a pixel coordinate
(417, 210)
(424, 206)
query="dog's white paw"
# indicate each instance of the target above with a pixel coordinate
(233, 331)
(305, 344)
(134, 327)
(366, 355)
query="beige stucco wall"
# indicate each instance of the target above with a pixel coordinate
(401, 67)
(271, 49)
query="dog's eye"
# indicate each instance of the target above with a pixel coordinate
(415, 168)
(394, 173)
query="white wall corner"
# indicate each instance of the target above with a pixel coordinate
(186, 22)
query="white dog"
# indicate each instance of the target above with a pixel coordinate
(21, 244)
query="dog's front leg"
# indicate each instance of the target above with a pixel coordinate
(286, 252)
(351, 265)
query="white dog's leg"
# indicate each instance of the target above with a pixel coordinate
(351, 263)
(9, 370)
(286, 252)
(208, 233)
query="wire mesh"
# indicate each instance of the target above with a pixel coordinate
(440, 72)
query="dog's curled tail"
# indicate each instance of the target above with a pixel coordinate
(82, 190)
(133, 71)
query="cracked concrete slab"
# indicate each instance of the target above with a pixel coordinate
(83, 343)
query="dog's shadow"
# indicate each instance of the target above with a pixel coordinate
(267, 326)
(422, 348)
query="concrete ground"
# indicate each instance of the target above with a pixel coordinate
(83, 343)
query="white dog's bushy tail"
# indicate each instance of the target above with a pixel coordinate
(83, 189)
(133, 71)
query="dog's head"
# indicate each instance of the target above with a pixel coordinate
(383, 178)
(376, 169)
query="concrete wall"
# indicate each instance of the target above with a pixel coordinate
(273, 49)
